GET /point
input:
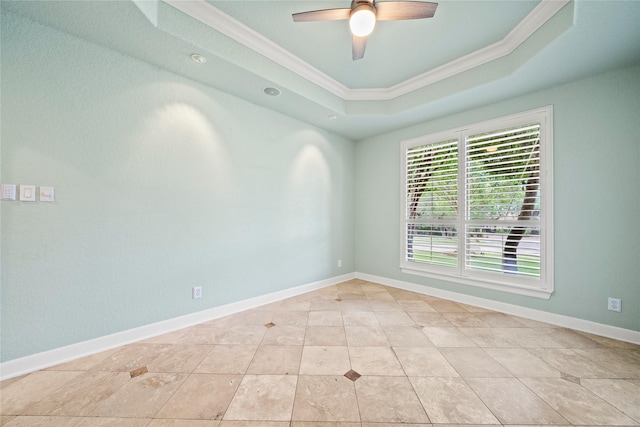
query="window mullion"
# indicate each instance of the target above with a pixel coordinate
(462, 204)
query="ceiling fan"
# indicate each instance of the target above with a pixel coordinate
(363, 14)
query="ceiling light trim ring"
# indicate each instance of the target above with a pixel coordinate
(231, 27)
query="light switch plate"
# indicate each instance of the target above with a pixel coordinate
(46, 194)
(8, 191)
(27, 193)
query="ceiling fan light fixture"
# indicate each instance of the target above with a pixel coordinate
(362, 20)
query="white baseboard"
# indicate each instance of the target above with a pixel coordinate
(588, 326)
(46, 359)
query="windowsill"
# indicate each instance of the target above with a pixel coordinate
(529, 291)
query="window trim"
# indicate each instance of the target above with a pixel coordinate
(539, 288)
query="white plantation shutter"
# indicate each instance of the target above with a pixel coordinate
(477, 205)
(502, 177)
(432, 203)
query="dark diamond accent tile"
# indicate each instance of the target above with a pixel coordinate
(338, 299)
(137, 372)
(270, 325)
(570, 378)
(352, 375)
(418, 326)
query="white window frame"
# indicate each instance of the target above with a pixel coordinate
(539, 288)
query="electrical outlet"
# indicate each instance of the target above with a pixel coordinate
(615, 304)
(339, 263)
(196, 292)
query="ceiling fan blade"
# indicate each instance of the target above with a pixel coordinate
(397, 10)
(322, 15)
(357, 49)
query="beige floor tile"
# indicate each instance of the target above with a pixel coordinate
(465, 320)
(325, 398)
(451, 401)
(79, 396)
(394, 318)
(244, 335)
(528, 337)
(38, 421)
(290, 318)
(366, 336)
(623, 395)
(168, 338)
(347, 306)
(352, 295)
(327, 424)
(263, 397)
(141, 397)
(570, 339)
(521, 363)
(499, 320)
(4, 419)
(327, 360)
(429, 319)
(209, 333)
(325, 318)
(201, 397)
(610, 342)
(276, 360)
(378, 306)
(443, 306)
(375, 361)
(19, 395)
(113, 422)
(227, 359)
(253, 424)
(180, 358)
(416, 305)
(489, 337)
(575, 403)
(325, 305)
(377, 404)
(424, 362)
(405, 425)
(572, 363)
(379, 296)
(132, 356)
(183, 423)
(406, 336)
(255, 317)
(284, 335)
(473, 363)
(623, 362)
(447, 337)
(513, 403)
(325, 335)
(360, 318)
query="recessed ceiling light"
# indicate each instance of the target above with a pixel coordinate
(272, 91)
(198, 58)
(333, 117)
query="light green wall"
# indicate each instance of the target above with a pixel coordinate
(596, 197)
(161, 184)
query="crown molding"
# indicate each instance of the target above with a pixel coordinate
(236, 30)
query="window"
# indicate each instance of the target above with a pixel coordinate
(477, 205)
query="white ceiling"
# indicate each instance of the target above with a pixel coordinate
(469, 54)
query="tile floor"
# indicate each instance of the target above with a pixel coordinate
(353, 355)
